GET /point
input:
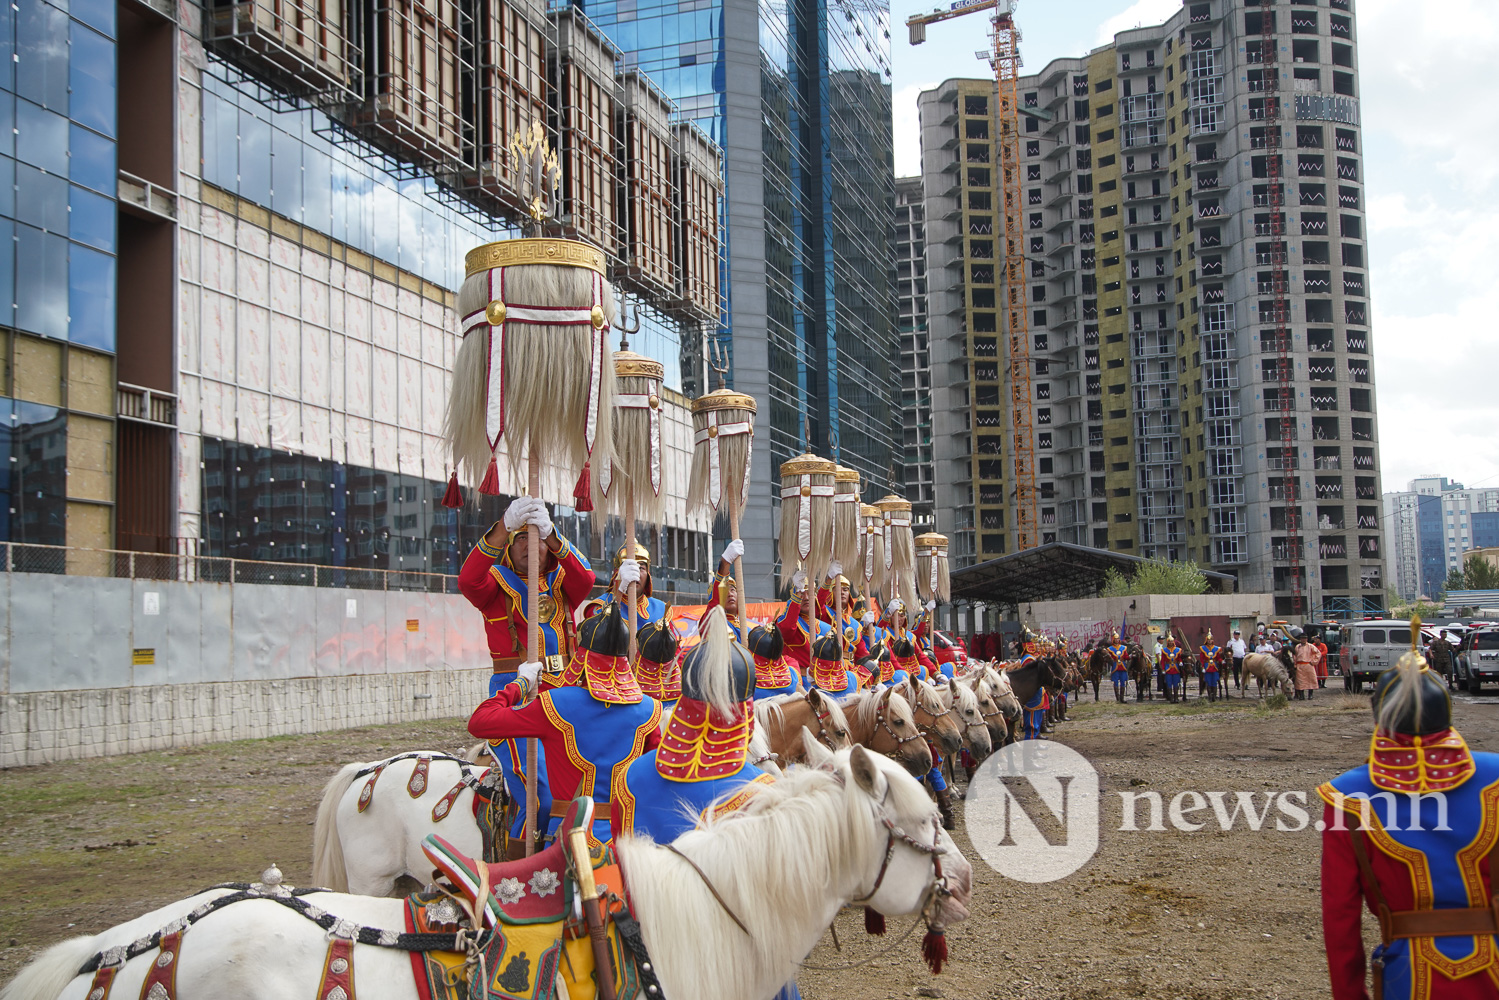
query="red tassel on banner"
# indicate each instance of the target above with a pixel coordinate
(934, 950)
(490, 487)
(583, 491)
(874, 921)
(453, 497)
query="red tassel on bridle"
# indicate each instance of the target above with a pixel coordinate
(453, 496)
(874, 921)
(934, 949)
(583, 491)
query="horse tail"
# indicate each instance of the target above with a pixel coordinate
(328, 867)
(49, 974)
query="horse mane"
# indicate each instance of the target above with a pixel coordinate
(966, 699)
(866, 705)
(819, 831)
(928, 698)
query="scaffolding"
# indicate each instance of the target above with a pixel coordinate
(302, 46)
(586, 100)
(648, 213)
(699, 170)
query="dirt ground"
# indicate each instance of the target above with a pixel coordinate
(1211, 914)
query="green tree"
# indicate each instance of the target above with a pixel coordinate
(1480, 574)
(1155, 576)
(1456, 580)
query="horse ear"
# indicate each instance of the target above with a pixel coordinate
(814, 698)
(818, 756)
(866, 775)
(885, 697)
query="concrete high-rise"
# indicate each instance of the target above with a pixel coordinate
(1197, 304)
(915, 358)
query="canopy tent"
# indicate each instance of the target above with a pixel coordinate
(1052, 572)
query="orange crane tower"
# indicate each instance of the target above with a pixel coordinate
(1005, 60)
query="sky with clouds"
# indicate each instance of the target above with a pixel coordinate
(1431, 161)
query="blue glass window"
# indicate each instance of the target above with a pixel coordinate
(7, 272)
(286, 175)
(42, 199)
(98, 13)
(7, 187)
(93, 80)
(254, 158)
(41, 282)
(7, 124)
(91, 219)
(41, 138)
(91, 298)
(92, 161)
(33, 487)
(42, 44)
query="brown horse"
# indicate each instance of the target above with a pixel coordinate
(1139, 672)
(781, 720)
(937, 722)
(882, 721)
(1098, 665)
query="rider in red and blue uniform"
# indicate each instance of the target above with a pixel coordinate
(1413, 834)
(1119, 670)
(1211, 653)
(657, 642)
(1170, 663)
(725, 591)
(1033, 712)
(773, 675)
(704, 750)
(797, 633)
(494, 579)
(591, 726)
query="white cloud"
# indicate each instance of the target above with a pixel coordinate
(1139, 14)
(908, 128)
(1432, 184)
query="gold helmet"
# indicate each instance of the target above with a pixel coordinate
(1209, 636)
(1028, 640)
(642, 555)
(1114, 637)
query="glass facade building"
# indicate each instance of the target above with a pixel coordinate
(57, 170)
(798, 96)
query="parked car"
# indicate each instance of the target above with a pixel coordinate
(1478, 659)
(1367, 649)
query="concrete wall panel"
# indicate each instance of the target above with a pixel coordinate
(216, 635)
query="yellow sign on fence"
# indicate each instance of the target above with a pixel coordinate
(413, 624)
(143, 657)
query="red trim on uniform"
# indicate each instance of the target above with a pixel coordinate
(700, 743)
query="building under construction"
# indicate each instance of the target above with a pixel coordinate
(1196, 295)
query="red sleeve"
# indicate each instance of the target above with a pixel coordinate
(495, 719)
(790, 624)
(861, 651)
(921, 627)
(1342, 912)
(475, 581)
(578, 578)
(825, 604)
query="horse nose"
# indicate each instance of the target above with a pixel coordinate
(953, 741)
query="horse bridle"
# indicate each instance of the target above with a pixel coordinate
(880, 722)
(895, 834)
(822, 727)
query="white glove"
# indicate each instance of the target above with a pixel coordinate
(835, 569)
(539, 517)
(519, 510)
(629, 572)
(869, 618)
(529, 672)
(798, 580)
(931, 605)
(733, 550)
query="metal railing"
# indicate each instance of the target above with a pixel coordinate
(16, 557)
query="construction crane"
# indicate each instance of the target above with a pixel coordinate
(1004, 59)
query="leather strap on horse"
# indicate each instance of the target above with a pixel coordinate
(161, 978)
(711, 888)
(629, 934)
(367, 795)
(1442, 922)
(338, 971)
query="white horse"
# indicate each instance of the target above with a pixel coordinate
(856, 829)
(962, 701)
(366, 852)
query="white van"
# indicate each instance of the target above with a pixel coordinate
(1370, 648)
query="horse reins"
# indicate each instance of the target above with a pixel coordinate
(711, 887)
(881, 722)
